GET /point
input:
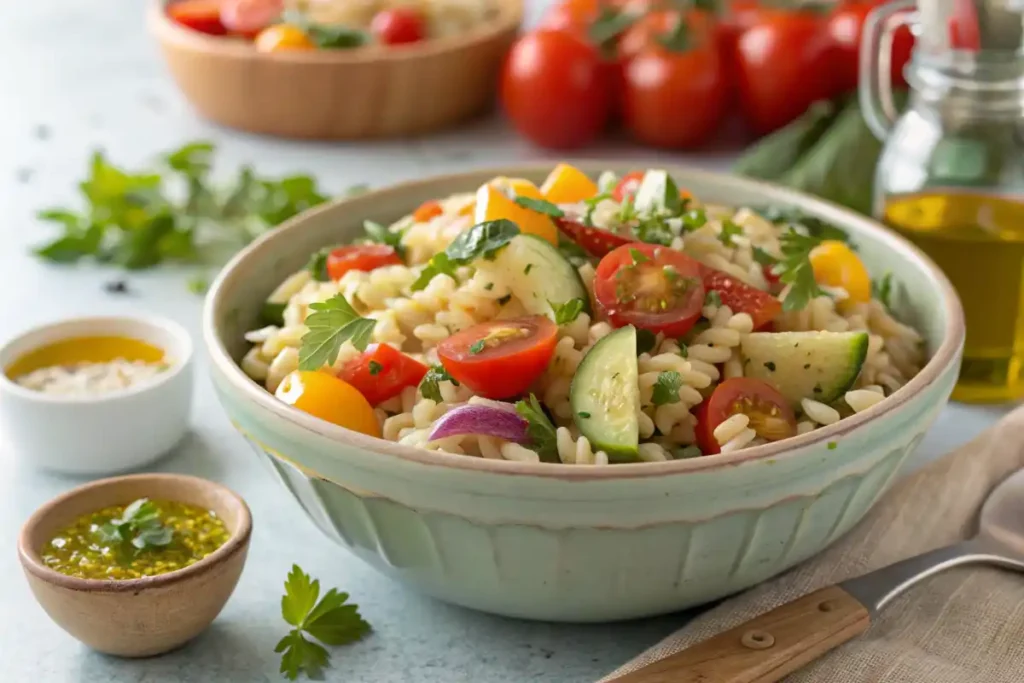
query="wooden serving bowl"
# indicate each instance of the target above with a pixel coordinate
(367, 92)
(137, 617)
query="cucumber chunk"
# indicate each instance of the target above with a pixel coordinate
(605, 396)
(539, 275)
(818, 365)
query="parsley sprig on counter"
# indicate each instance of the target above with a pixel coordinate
(329, 621)
(171, 213)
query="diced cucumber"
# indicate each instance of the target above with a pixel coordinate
(605, 396)
(539, 275)
(816, 365)
(657, 193)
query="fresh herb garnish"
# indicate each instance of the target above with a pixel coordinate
(712, 298)
(729, 232)
(481, 241)
(527, 269)
(335, 37)
(329, 621)
(332, 323)
(584, 414)
(138, 526)
(694, 219)
(567, 312)
(541, 206)
(477, 346)
(375, 232)
(684, 350)
(763, 258)
(654, 230)
(591, 204)
(375, 367)
(540, 430)
(504, 299)
(666, 388)
(795, 269)
(637, 256)
(882, 290)
(317, 264)
(429, 384)
(645, 341)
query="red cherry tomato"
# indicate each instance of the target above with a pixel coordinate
(501, 358)
(761, 306)
(769, 412)
(595, 241)
(784, 63)
(249, 17)
(427, 210)
(554, 89)
(381, 372)
(398, 25)
(652, 287)
(627, 186)
(198, 15)
(365, 257)
(845, 27)
(675, 92)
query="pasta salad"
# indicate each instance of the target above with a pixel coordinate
(585, 321)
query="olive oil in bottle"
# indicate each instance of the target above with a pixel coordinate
(978, 241)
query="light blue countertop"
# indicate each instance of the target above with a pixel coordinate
(80, 74)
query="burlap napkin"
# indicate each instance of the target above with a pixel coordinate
(963, 626)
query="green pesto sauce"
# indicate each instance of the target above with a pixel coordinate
(79, 551)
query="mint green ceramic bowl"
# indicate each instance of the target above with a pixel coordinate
(571, 543)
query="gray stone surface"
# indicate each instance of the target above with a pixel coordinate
(75, 75)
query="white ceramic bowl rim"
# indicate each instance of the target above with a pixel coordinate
(181, 360)
(952, 341)
(509, 16)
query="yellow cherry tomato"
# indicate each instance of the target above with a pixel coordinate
(492, 204)
(517, 187)
(567, 185)
(836, 265)
(283, 38)
(329, 398)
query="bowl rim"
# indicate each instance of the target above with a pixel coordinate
(944, 355)
(32, 563)
(508, 19)
(171, 327)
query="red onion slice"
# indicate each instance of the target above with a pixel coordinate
(483, 420)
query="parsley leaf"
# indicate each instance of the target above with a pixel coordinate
(796, 270)
(329, 621)
(429, 384)
(483, 240)
(729, 231)
(666, 388)
(712, 298)
(540, 430)
(138, 527)
(637, 256)
(332, 323)
(694, 219)
(375, 368)
(882, 290)
(317, 264)
(541, 206)
(375, 232)
(654, 230)
(763, 258)
(477, 346)
(567, 312)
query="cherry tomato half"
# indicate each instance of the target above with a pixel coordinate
(364, 257)
(761, 306)
(769, 412)
(398, 25)
(501, 358)
(554, 89)
(198, 15)
(595, 241)
(652, 287)
(784, 63)
(427, 210)
(381, 372)
(329, 398)
(249, 17)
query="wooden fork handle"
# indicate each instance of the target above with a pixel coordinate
(766, 648)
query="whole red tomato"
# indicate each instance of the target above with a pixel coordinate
(845, 25)
(555, 89)
(675, 89)
(784, 63)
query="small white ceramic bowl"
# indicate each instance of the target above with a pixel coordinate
(106, 433)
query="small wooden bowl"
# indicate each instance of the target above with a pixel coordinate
(369, 92)
(140, 617)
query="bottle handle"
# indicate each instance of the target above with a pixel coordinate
(875, 87)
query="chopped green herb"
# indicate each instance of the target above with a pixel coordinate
(329, 621)
(429, 384)
(693, 219)
(477, 346)
(375, 232)
(541, 206)
(483, 240)
(729, 232)
(332, 323)
(567, 312)
(666, 388)
(539, 428)
(375, 367)
(638, 256)
(684, 350)
(138, 526)
(504, 299)
(335, 36)
(712, 298)
(527, 269)
(645, 341)
(770, 365)
(654, 230)
(795, 270)
(317, 265)
(832, 445)
(584, 414)
(489, 286)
